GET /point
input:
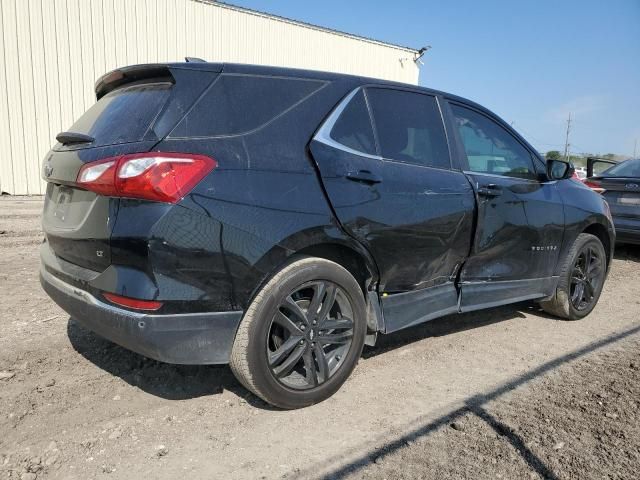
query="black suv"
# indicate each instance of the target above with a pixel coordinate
(279, 219)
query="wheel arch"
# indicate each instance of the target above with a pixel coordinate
(364, 270)
(600, 231)
(353, 261)
(342, 250)
(327, 243)
(594, 226)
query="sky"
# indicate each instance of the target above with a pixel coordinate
(531, 62)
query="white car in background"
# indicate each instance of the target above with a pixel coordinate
(581, 172)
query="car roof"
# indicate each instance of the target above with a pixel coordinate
(320, 74)
(143, 69)
(102, 85)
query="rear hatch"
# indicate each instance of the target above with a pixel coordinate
(136, 108)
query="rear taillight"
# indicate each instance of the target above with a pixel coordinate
(157, 176)
(595, 186)
(134, 303)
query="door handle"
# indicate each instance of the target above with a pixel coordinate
(364, 176)
(490, 190)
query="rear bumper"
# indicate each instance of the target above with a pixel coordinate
(628, 236)
(191, 338)
(627, 230)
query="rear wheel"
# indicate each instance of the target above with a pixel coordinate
(581, 279)
(302, 335)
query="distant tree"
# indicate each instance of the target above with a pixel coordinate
(553, 155)
(609, 156)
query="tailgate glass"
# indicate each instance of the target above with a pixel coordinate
(124, 115)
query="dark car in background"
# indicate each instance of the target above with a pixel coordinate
(619, 184)
(279, 219)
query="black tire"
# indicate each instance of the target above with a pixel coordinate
(272, 325)
(565, 302)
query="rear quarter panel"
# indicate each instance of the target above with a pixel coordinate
(264, 200)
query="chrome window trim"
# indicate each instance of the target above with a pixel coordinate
(324, 134)
(495, 175)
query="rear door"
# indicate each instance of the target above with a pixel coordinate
(385, 164)
(520, 221)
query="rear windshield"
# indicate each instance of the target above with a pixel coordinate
(124, 115)
(630, 168)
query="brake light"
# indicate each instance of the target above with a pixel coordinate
(157, 176)
(595, 186)
(132, 302)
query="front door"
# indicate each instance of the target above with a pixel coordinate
(393, 189)
(520, 215)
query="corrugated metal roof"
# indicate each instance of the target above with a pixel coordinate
(312, 26)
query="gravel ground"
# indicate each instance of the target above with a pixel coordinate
(504, 393)
(582, 421)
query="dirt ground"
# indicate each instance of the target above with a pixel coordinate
(504, 393)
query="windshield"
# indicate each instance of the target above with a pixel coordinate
(629, 168)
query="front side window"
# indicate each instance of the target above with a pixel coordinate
(353, 127)
(409, 127)
(489, 147)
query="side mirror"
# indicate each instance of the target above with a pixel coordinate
(559, 170)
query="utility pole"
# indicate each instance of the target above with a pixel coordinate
(566, 142)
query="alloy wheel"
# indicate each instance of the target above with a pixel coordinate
(310, 335)
(586, 277)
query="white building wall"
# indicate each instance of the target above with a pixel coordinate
(52, 51)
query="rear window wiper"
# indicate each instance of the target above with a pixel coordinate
(67, 138)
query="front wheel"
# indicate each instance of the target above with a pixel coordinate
(302, 335)
(581, 279)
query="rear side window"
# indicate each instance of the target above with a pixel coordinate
(409, 127)
(353, 128)
(124, 115)
(490, 148)
(237, 104)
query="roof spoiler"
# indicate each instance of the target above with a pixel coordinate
(121, 76)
